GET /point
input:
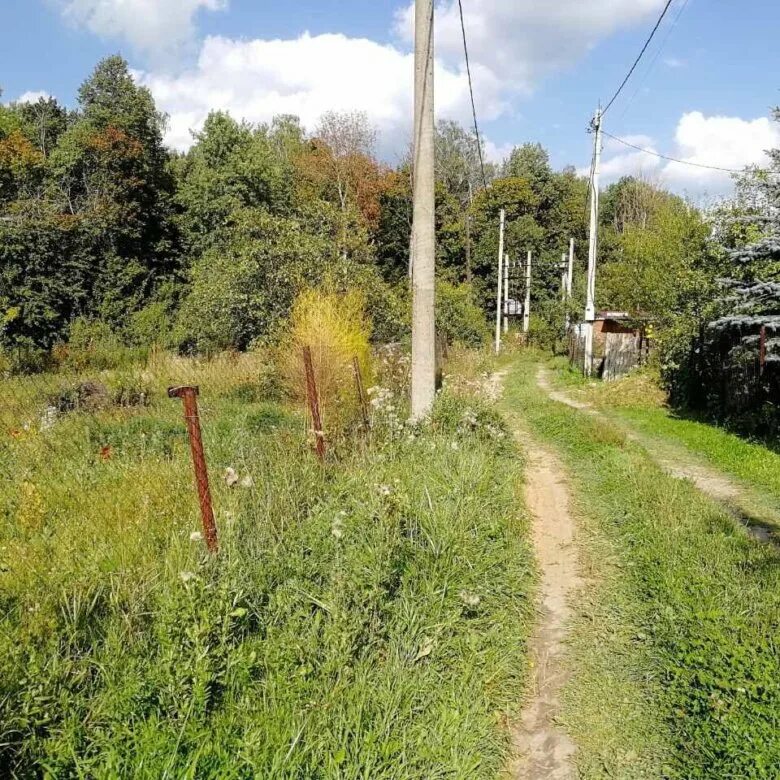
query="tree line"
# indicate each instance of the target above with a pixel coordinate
(106, 233)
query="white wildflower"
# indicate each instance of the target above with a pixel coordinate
(48, 418)
(196, 536)
(337, 527)
(186, 576)
(231, 477)
(470, 599)
(247, 482)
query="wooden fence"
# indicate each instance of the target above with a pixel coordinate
(614, 354)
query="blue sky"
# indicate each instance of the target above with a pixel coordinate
(703, 93)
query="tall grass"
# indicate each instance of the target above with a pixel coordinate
(336, 328)
(367, 619)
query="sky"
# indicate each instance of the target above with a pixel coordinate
(703, 93)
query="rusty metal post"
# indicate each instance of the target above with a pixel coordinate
(762, 351)
(189, 396)
(361, 394)
(314, 402)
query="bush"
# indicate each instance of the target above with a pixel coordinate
(545, 329)
(458, 318)
(152, 326)
(242, 291)
(336, 329)
(92, 344)
(80, 397)
(26, 359)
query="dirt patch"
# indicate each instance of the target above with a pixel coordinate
(543, 749)
(543, 380)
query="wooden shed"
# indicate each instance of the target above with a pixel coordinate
(620, 343)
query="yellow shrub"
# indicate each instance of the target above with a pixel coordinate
(336, 328)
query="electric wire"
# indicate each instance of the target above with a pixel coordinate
(658, 53)
(639, 57)
(671, 159)
(471, 93)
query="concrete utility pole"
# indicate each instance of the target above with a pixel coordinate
(569, 282)
(502, 220)
(506, 292)
(527, 307)
(590, 306)
(564, 281)
(423, 228)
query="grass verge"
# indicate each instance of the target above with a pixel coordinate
(366, 619)
(677, 665)
(637, 401)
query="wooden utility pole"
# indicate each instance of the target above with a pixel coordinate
(590, 305)
(468, 236)
(500, 275)
(423, 228)
(527, 306)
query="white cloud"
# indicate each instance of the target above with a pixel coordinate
(308, 76)
(674, 62)
(721, 141)
(158, 29)
(524, 40)
(33, 96)
(497, 153)
(512, 45)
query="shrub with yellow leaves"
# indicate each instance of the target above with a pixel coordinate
(336, 328)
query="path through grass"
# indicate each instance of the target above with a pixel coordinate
(676, 665)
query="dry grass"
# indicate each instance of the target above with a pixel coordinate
(638, 389)
(336, 328)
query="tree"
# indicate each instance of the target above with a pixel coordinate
(654, 257)
(531, 162)
(231, 166)
(48, 120)
(458, 166)
(88, 215)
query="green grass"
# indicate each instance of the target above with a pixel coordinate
(635, 402)
(366, 619)
(750, 462)
(675, 656)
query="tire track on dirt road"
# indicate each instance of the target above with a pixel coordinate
(679, 463)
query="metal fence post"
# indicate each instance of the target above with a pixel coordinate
(762, 351)
(314, 402)
(361, 394)
(189, 396)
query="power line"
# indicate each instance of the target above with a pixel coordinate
(641, 54)
(671, 159)
(649, 70)
(471, 93)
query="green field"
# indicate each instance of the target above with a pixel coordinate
(334, 635)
